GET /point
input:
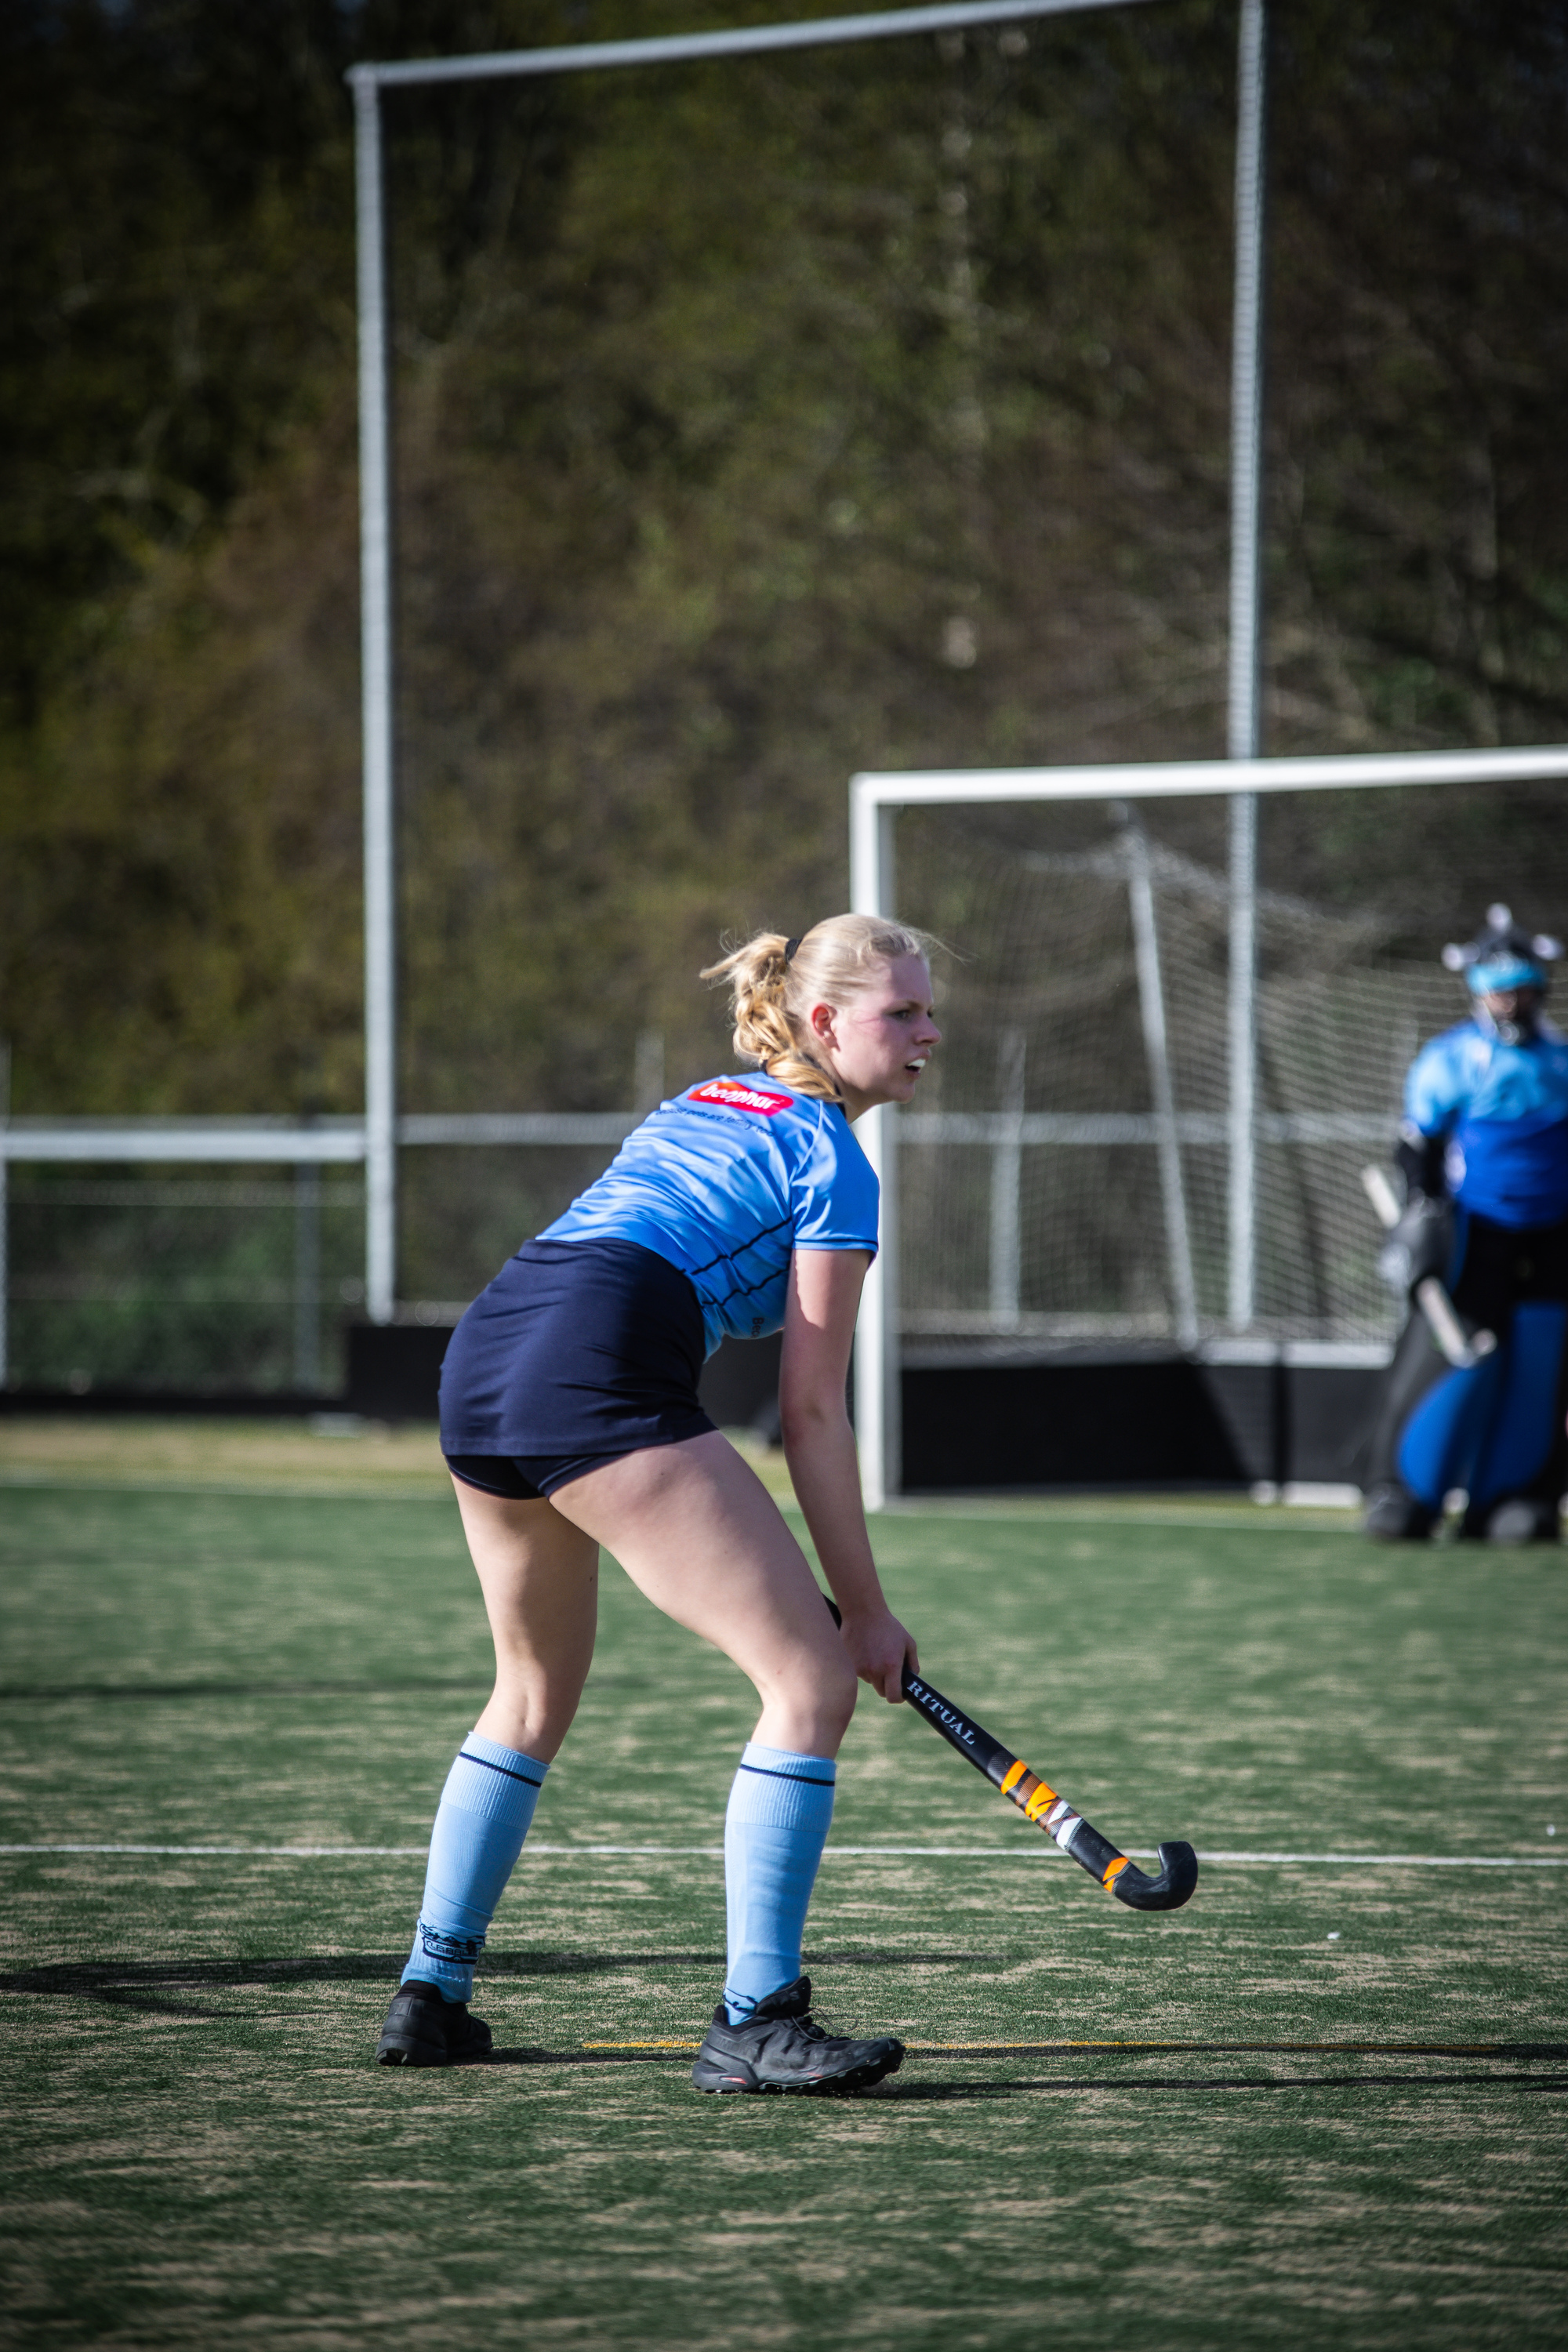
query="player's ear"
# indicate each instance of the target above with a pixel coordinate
(822, 1019)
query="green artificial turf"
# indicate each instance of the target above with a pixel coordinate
(199, 2149)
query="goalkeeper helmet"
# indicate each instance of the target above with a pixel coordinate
(1504, 958)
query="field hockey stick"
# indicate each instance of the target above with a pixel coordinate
(1039, 1804)
(1442, 1320)
(1049, 1811)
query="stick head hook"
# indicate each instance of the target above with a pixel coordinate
(1178, 1874)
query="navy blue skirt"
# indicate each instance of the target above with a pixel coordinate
(576, 1353)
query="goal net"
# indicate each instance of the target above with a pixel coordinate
(1031, 1193)
(1067, 1180)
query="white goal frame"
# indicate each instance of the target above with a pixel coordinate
(875, 801)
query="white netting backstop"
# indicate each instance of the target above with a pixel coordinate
(1032, 1206)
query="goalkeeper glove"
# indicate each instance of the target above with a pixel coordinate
(1419, 1245)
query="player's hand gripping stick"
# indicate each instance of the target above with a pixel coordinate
(1442, 1318)
(1037, 1803)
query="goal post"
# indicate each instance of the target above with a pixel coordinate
(875, 803)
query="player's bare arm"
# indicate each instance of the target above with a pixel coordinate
(819, 1445)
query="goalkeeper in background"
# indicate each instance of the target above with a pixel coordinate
(1484, 1152)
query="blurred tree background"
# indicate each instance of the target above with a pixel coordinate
(755, 424)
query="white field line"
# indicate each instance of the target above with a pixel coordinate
(844, 1852)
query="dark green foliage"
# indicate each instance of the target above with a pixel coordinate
(755, 422)
(172, 251)
(1421, 272)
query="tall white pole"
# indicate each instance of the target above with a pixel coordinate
(1007, 1183)
(877, 1416)
(1245, 615)
(376, 642)
(1157, 1051)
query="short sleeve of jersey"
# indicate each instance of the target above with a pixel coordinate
(725, 1181)
(1441, 1079)
(832, 1190)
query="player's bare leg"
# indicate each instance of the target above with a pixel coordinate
(538, 1575)
(698, 1533)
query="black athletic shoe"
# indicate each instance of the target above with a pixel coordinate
(780, 2048)
(1393, 1515)
(423, 2029)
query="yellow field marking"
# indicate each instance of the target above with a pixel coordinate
(642, 2045)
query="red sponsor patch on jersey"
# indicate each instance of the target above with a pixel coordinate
(735, 1097)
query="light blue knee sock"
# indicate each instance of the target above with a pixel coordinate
(774, 1830)
(483, 1817)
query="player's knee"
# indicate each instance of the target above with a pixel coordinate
(835, 1688)
(816, 1695)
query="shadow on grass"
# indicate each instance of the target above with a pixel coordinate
(1489, 2080)
(906, 2094)
(164, 1988)
(156, 1985)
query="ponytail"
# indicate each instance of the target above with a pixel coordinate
(773, 982)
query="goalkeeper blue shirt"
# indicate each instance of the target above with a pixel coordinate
(1504, 1111)
(724, 1181)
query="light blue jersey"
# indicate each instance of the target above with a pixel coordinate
(725, 1181)
(1504, 1111)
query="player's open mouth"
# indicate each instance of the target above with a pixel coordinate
(917, 1066)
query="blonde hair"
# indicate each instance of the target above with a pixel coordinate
(773, 982)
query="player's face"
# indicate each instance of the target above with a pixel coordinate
(1513, 1008)
(880, 1039)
